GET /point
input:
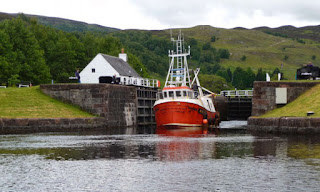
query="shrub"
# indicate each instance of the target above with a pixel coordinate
(13, 80)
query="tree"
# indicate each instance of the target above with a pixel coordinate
(238, 78)
(276, 71)
(90, 42)
(206, 46)
(214, 83)
(301, 41)
(243, 79)
(195, 53)
(249, 78)
(33, 52)
(313, 57)
(137, 66)
(230, 77)
(6, 56)
(109, 45)
(207, 57)
(243, 58)
(192, 42)
(64, 61)
(29, 62)
(209, 68)
(261, 75)
(224, 73)
(213, 38)
(224, 53)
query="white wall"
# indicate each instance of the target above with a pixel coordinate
(123, 56)
(102, 68)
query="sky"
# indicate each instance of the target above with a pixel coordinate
(164, 14)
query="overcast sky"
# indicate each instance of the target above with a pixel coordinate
(164, 14)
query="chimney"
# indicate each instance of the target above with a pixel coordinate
(123, 55)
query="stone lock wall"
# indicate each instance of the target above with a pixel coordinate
(264, 94)
(36, 125)
(117, 104)
(284, 125)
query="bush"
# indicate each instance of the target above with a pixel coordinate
(13, 80)
(206, 46)
(213, 39)
(224, 53)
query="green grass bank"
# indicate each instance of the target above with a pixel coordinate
(32, 103)
(308, 101)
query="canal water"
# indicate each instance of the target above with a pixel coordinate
(226, 161)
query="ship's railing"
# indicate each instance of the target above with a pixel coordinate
(237, 93)
(138, 81)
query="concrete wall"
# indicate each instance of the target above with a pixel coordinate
(220, 103)
(264, 97)
(117, 104)
(35, 125)
(284, 125)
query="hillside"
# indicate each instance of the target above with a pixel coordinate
(64, 24)
(308, 32)
(5, 16)
(262, 50)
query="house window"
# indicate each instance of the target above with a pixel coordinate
(93, 70)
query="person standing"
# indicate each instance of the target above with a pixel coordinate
(77, 74)
(114, 79)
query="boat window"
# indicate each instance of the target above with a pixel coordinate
(184, 93)
(170, 93)
(165, 94)
(161, 95)
(190, 94)
(178, 93)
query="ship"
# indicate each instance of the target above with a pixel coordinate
(183, 106)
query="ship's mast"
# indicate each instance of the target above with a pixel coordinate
(178, 73)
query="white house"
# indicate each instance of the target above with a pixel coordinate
(103, 67)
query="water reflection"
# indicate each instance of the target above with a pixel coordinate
(213, 162)
(182, 131)
(159, 147)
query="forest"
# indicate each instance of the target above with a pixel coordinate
(37, 53)
(33, 52)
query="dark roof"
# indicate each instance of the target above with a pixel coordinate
(123, 68)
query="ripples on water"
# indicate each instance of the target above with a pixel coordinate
(149, 162)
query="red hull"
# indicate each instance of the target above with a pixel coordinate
(182, 118)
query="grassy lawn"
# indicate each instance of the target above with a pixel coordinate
(32, 103)
(309, 101)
